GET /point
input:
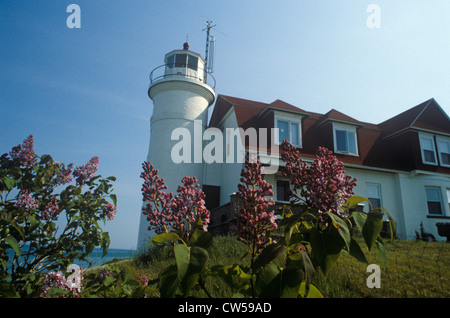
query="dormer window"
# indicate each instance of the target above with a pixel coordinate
(443, 147)
(289, 128)
(345, 141)
(427, 149)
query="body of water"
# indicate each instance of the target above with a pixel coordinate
(113, 253)
(96, 256)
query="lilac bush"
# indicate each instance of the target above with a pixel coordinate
(166, 212)
(36, 191)
(323, 185)
(254, 220)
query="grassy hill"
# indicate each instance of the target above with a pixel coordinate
(412, 269)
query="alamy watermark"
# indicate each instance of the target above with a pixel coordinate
(374, 279)
(74, 19)
(74, 279)
(228, 148)
(374, 19)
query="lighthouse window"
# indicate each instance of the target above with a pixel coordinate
(192, 62)
(180, 60)
(170, 61)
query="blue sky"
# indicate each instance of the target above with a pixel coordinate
(83, 92)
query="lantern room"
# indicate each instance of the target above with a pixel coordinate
(185, 63)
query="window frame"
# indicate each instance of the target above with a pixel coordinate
(290, 120)
(440, 139)
(448, 199)
(378, 188)
(438, 189)
(347, 129)
(423, 136)
(288, 187)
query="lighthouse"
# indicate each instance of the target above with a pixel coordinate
(182, 91)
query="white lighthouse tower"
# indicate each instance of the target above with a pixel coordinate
(181, 91)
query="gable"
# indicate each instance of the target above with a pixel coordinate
(433, 118)
(425, 116)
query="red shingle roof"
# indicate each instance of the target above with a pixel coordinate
(374, 150)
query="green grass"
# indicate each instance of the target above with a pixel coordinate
(412, 269)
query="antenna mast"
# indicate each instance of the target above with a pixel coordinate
(209, 54)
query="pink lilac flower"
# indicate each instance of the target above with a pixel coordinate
(323, 185)
(87, 171)
(65, 174)
(254, 223)
(188, 205)
(110, 211)
(51, 210)
(157, 202)
(144, 281)
(104, 273)
(57, 280)
(25, 201)
(53, 279)
(24, 153)
(166, 212)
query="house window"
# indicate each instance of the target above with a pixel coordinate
(374, 195)
(427, 149)
(443, 148)
(283, 190)
(345, 139)
(434, 200)
(289, 129)
(448, 199)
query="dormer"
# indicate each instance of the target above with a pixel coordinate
(345, 132)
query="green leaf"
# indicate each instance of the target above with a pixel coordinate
(372, 228)
(165, 237)
(382, 250)
(114, 199)
(19, 229)
(359, 218)
(308, 266)
(168, 281)
(313, 292)
(356, 252)
(342, 228)
(268, 282)
(291, 278)
(234, 276)
(289, 223)
(13, 243)
(9, 182)
(109, 280)
(182, 256)
(200, 238)
(197, 260)
(326, 247)
(353, 202)
(269, 254)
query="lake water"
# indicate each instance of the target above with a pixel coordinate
(113, 253)
(96, 256)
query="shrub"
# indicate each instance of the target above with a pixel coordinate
(45, 221)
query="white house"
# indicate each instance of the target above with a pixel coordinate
(402, 164)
